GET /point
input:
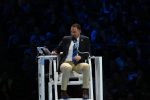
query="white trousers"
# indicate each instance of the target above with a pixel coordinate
(66, 69)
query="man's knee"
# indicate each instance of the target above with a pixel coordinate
(65, 67)
(85, 66)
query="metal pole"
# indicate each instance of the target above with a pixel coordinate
(55, 80)
(91, 80)
(41, 79)
(98, 78)
(50, 81)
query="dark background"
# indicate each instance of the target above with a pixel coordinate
(118, 30)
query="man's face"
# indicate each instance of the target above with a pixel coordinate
(75, 32)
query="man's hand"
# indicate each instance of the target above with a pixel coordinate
(77, 58)
(54, 53)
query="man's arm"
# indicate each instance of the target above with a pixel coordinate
(58, 49)
(82, 56)
(87, 53)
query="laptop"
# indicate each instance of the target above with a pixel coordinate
(43, 51)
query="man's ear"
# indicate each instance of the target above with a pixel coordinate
(80, 31)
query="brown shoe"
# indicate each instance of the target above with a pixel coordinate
(85, 94)
(64, 94)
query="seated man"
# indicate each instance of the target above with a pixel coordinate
(73, 58)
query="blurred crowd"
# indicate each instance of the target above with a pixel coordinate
(118, 30)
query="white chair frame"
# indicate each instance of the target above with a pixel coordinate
(53, 61)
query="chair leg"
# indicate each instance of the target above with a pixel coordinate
(49, 91)
(55, 80)
(91, 81)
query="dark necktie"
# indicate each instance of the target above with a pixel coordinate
(74, 52)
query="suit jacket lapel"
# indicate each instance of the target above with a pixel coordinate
(80, 42)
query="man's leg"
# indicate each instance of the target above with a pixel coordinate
(83, 68)
(66, 69)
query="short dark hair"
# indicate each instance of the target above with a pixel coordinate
(76, 25)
